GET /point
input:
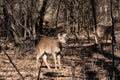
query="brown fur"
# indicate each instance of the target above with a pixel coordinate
(50, 45)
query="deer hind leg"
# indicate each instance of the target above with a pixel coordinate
(37, 59)
(45, 60)
(59, 62)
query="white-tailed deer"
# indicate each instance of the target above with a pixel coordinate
(103, 32)
(50, 45)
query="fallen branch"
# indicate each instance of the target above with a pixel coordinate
(12, 63)
(38, 77)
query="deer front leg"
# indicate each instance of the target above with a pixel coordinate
(59, 62)
(55, 60)
(37, 59)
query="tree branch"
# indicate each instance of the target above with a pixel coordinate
(12, 63)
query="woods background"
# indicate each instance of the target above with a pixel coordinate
(24, 18)
(22, 22)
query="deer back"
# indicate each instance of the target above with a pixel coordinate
(48, 45)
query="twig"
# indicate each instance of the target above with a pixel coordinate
(113, 41)
(12, 63)
(38, 78)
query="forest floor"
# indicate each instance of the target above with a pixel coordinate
(81, 61)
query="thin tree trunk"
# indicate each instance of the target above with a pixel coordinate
(58, 12)
(41, 17)
(79, 18)
(113, 41)
(95, 24)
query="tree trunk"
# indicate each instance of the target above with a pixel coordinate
(41, 17)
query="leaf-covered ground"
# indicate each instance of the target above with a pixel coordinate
(81, 60)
